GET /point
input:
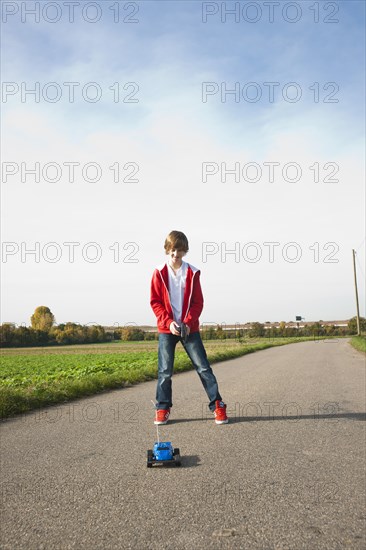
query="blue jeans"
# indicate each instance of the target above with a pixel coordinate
(197, 354)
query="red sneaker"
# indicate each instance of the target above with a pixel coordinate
(220, 413)
(161, 416)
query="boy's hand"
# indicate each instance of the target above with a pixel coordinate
(174, 328)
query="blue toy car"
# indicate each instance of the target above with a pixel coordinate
(163, 453)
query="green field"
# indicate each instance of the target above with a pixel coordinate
(35, 377)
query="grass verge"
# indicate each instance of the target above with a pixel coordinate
(359, 342)
(31, 380)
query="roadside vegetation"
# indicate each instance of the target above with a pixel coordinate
(359, 342)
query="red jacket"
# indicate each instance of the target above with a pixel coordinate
(192, 300)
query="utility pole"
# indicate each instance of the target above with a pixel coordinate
(358, 309)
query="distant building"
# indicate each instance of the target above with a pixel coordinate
(242, 326)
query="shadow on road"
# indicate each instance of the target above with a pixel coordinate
(360, 416)
(187, 461)
(334, 417)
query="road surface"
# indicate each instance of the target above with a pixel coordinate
(287, 472)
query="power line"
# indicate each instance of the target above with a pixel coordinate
(360, 266)
(361, 244)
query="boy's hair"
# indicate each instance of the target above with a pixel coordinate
(176, 240)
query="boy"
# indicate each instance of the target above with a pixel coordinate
(176, 298)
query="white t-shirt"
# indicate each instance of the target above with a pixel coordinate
(177, 284)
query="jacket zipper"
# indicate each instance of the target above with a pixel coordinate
(190, 295)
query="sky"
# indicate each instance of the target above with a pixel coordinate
(122, 121)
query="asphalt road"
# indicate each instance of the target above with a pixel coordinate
(287, 472)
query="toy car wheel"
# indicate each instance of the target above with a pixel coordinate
(149, 458)
(176, 451)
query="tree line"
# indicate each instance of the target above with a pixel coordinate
(44, 332)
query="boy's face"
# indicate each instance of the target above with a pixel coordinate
(176, 256)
